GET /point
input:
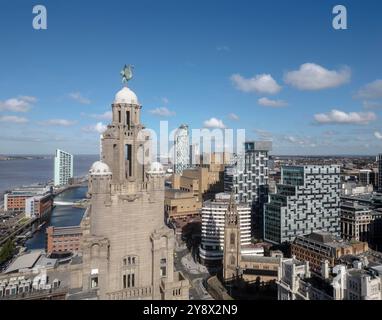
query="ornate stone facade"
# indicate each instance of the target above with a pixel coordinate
(238, 266)
(127, 250)
(232, 243)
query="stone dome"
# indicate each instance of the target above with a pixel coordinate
(125, 95)
(156, 168)
(100, 168)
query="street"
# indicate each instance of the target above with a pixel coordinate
(193, 271)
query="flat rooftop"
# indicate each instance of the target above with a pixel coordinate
(26, 261)
(327, 239)
(178, 193)
(260, 259)
(320, 236)
(62, 231)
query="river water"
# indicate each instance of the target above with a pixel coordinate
(15, 173)
(61, 216)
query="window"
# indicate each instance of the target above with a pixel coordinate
(129, 160)
(94, 282)
(163, 267)
(130, 261)
(128, 280)
(128, 118)
(124, 281)
(232, 238)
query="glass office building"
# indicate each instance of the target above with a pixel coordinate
(307, 200)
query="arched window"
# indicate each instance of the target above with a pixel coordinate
(232, 260)
(129, 271)
(130, 261)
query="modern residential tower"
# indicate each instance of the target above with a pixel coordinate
(63, 167)
(181, 149)
(249, 177)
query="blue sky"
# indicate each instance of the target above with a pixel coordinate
(276, 68)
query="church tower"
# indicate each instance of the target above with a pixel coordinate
(127, 250)
(232, 243)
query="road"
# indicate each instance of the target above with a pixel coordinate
(197, 290)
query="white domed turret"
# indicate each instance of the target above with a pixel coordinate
(100, 168)
(156, 168)
(125, 95)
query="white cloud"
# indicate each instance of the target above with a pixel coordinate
(378, 135)
(291, 139)
(312, 76)
(165, 100)
(271, 103)
(263, 134)
(108, 115)
(20, 104)
(262, 83)
(214, 123)
(372, 105)
(162, 112)
(58, 122)
(372, 90)
(77, 96)
(29, 99)
(99, 127)
(304, 142)
(13, 119)
(341, 117)
(234, 117)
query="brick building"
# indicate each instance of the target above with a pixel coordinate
(63, 239)
(320, 246)
(21, 200)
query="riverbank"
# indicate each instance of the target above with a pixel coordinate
(31, 232)
(61, 216)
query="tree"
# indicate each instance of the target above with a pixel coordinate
(6, 251)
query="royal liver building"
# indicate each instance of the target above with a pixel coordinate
(127, 250)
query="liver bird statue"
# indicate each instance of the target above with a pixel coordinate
(127, 73)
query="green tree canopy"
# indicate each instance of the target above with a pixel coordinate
(6, 251)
